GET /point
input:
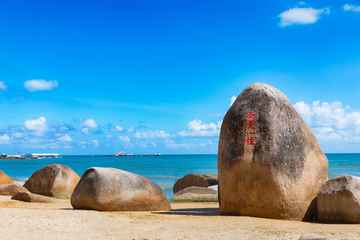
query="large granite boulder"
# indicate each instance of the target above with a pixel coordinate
(11, 189)
(269, 161)
(5, 179)
(55, 180)
(339, 200)
(31, 197)
(110, 189)
(192, 179)
(196, 194)
(212, 179)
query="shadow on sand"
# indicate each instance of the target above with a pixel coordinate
(192, 211)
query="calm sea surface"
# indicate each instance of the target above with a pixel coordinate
(163, 170)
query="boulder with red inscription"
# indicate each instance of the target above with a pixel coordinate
(269, 161)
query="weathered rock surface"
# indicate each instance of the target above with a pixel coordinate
(110, 189)
(212, 179)
(31, 197)
(339, 200)
(196, 194)
(192, 179)
(55, 180)
(311, 236)
(269, 161)
(5, 179)
(11, 189)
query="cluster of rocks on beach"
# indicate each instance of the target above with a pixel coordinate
(270, 165)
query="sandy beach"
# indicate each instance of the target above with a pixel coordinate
(20, 220)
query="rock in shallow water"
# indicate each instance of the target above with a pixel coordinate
(55, 180)
(196, 194)
(269, 161)
(339, 200)
(5, 179)
(212, 179)
(192, 179)
(110, 189)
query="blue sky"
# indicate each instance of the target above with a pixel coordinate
(99, 77)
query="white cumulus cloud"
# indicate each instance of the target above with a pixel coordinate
(354, 8)
(301, 16)
(90, 123)
(40, 85)
(331, 122)
(36, 124)
(96, 143)
(85, 131)
(117, 129)
(130, 129)
(328, 114)
(65, 139)
(4, 139)
(153, 134)
(124, 139)
(197, 129)
(109, 136)
(3, 86)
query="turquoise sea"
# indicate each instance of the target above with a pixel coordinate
(163, 170)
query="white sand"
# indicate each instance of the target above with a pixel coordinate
(21, 220)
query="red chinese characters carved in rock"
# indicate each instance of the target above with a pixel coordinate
(250, 128)
(250, 115)
(249, 141)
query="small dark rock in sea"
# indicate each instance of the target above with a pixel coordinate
(192, 179)
(339, 200)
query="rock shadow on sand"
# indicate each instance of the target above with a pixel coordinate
(192, 212)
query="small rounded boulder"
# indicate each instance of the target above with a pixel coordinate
(110, 189)
(54, 180)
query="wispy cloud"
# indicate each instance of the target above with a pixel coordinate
(301, 16)
(3, 86)
(349, 7)
(197, 129)
(171, 144)
(40, 85)
(153, 134)
(232, 100)
(124, 139)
